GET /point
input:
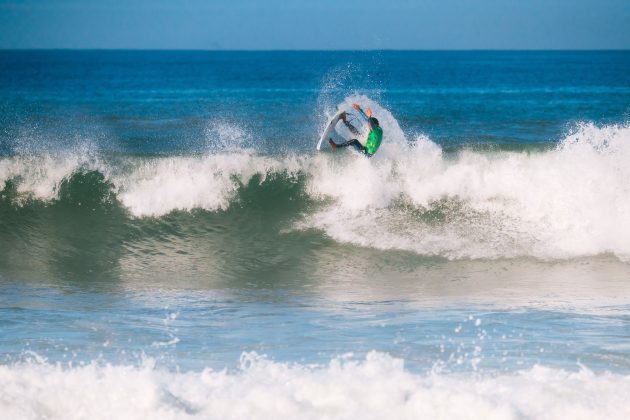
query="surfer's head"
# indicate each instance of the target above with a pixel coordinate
(374, 121)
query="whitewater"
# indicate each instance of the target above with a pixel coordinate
(374, 388)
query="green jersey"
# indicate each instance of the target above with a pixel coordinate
(374, 140)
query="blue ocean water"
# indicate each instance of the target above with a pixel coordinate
(172, 245)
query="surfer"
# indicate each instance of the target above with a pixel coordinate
(374, 137)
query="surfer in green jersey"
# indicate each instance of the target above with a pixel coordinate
(374, 137)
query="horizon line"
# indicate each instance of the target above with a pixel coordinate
(328, 50)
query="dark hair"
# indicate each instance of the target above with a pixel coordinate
(374, 121)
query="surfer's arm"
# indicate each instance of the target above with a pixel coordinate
(363, 114)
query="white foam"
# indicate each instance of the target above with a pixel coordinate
(39, 175)
(375, 388)
(567, 202)
(159, 186)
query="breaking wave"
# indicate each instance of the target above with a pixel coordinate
(568, 201)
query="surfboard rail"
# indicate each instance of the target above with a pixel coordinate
(329, 128)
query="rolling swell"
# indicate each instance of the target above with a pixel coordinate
(240, 210)
(83, 230)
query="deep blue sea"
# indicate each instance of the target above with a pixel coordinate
(173, 246)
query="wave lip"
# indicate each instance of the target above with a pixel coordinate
(147, 187)
(377, 387)
(158, 187)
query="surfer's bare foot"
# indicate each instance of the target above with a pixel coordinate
(332, 144)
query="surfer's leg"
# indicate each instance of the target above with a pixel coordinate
(352, 142)
(359, 147)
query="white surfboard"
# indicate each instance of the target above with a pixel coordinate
(329, 129)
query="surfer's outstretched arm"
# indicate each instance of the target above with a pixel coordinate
(363, 114)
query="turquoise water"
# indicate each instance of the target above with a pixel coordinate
(172, 246)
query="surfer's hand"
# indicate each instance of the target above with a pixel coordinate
(369, 112)
(356, 106)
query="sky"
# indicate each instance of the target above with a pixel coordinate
(316, 24)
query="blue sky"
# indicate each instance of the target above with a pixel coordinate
(318, 24)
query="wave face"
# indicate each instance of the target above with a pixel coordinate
(556, 203)
(378, 387)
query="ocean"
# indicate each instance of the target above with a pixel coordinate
(172, 246)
